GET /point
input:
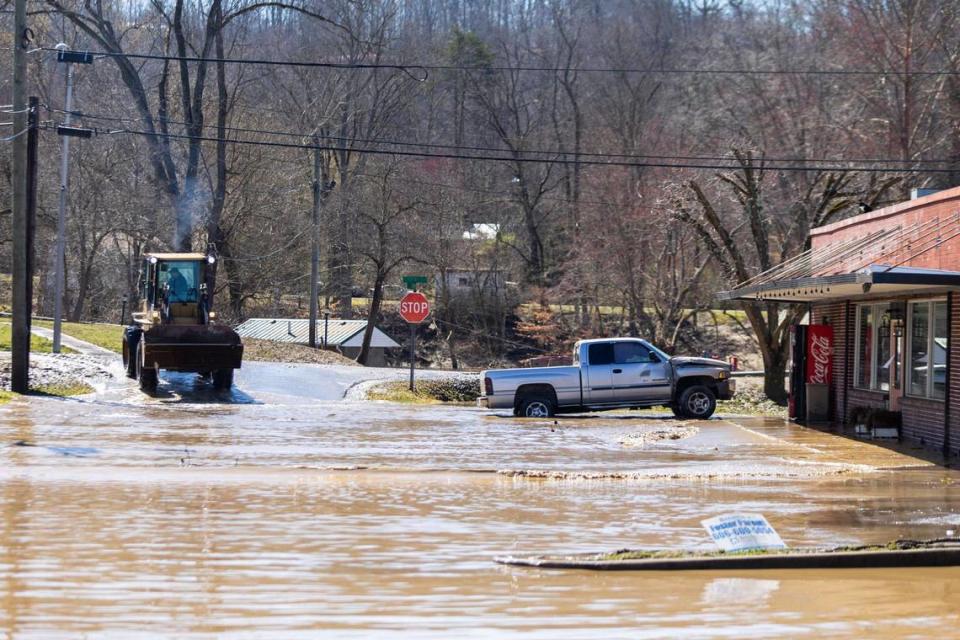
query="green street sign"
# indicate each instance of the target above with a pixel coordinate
(411, 282)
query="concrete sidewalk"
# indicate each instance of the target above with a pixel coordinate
(80, 346)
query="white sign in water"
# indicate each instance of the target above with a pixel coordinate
(743, 532)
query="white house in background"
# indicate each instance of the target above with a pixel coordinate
(345, 336)
(482, 231)
(463, 283)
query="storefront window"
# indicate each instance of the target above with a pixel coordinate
(865, 347)
(885, 360)
(919, 341)
(873, 347)
(928, 349)
(939, 350)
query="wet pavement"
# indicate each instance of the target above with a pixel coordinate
(281, 510)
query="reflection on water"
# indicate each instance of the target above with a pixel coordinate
(732, 591)
(122, 517)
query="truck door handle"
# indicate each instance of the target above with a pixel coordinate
(618, 370)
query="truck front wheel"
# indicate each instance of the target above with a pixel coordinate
(537, 407)
(697, 402)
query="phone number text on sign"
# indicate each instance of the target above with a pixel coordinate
(743, 532)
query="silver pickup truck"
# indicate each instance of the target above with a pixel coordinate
(611, 374)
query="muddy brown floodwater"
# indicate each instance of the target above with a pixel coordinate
(276, 512)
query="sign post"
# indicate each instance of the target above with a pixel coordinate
(413, 352)
(414, 308)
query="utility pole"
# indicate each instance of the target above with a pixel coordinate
(20, 331)
(315, 257)
(62, 211)
(33, 139)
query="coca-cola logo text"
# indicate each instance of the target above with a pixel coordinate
(819, 372)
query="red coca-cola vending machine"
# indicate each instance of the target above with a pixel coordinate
(811, 369)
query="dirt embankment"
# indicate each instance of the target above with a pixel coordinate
(270, 351)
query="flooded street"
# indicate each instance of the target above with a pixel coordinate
(283, 511)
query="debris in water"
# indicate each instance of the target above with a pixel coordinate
(653, 436)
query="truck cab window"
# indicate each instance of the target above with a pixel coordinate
(601, 353)
(630, 353)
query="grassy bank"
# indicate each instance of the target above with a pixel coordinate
(108, 336)
(462, 389)
(37, 344)
(63, 390)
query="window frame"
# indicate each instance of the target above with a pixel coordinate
(617, 356)
(875, 309)
(931, 354)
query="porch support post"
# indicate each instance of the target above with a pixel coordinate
(948, 380)
(848, 347)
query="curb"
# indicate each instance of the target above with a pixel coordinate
(813, 560)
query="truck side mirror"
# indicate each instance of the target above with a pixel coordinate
(654, 357)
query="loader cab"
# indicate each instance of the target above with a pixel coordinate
(173, 286)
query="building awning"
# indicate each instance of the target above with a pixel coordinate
(874, 280)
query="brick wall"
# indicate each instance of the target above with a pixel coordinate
(862, 398)
(922, 421)
(942, 206)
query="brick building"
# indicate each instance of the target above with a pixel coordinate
(887, 281)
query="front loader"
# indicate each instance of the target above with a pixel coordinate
(173, 327)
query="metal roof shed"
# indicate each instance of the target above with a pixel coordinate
(340, 333)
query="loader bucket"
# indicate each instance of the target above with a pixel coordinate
(196, 348)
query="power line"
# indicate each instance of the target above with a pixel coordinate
(14, 136)
(552, 161)
(552, 152)
(408, 68)
(404, 68)
(501, 192)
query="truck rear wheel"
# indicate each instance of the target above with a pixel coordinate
(223, 379)
(537, 407)
(697, 402)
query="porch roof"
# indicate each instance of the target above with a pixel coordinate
(873, 281)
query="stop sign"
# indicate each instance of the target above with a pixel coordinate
(414, 307)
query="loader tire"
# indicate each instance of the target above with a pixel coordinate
(148, 376)
(222, 379)
(131, 353)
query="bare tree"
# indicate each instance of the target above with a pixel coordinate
(740, 238)
(384, 224)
